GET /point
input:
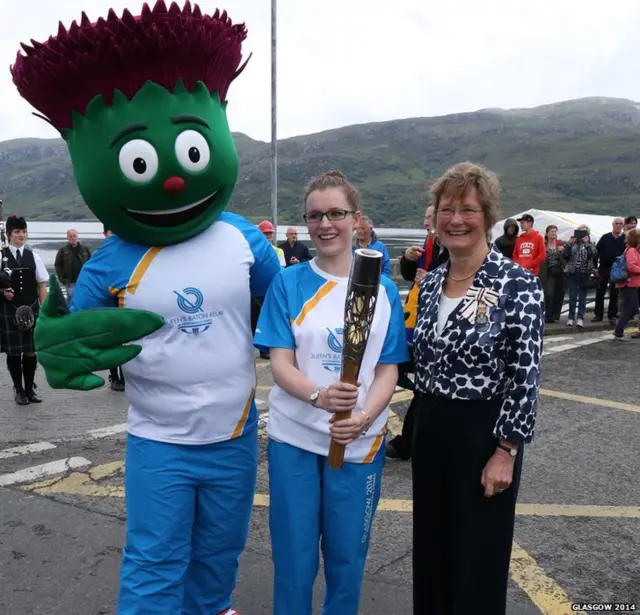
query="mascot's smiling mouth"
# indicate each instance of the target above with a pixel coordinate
(173, 217)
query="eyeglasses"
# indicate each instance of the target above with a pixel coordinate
(465, 212)
(333, 216)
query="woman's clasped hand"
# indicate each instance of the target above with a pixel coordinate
(342, 397)
(338, 397)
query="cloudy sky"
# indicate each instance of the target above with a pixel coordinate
(343, 62)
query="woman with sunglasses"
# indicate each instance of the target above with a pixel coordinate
(301, 325)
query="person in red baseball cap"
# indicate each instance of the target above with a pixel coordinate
(269, 231)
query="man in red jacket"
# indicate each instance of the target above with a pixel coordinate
(530, 251)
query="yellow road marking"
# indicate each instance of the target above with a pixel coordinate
(574, 510)
(606, 403)
(106, 469)
(544, 592)
(394, 423)
(86, 483)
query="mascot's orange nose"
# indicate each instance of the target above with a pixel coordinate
(174, 185)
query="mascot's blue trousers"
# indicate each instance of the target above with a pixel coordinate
(188, 513)
(311, 504)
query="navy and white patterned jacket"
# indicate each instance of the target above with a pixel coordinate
(496, 357)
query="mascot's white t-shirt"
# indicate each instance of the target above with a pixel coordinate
(194, 381)
(304, 311)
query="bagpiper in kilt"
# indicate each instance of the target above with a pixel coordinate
(28, 275)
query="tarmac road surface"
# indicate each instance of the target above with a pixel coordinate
(577, 532)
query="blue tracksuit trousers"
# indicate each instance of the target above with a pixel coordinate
(188, 513)
(313, 506)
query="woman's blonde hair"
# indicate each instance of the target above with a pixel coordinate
(459, 180)
(334, 179)
(633, 238)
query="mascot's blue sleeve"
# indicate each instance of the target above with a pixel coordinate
(266, 264)
(106, 273)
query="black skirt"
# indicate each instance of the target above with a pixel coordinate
(461, 539)
(12, 340)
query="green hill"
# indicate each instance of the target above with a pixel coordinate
(579, 155)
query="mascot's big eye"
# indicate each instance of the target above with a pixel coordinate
(192, 150)
(138, 161)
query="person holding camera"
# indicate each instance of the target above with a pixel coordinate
(579, 254)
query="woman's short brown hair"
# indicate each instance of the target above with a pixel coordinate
(633, 238)
(334, 179)
(459, 180)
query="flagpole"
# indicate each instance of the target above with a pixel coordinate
(274, 138)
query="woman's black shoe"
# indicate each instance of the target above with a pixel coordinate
(33, 398)
(21, 398)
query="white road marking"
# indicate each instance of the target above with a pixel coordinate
(560, 348)
(557, 338)
(36, 447)
(578, 341)
(112, 430)
(46, 469)
(260, 403)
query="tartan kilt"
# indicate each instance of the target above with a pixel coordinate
(12, 340)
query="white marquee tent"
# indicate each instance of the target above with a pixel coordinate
(566, 223)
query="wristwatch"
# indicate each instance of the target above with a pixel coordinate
(512, 451)
(313, 398)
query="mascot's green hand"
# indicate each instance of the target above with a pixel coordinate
(71, 346)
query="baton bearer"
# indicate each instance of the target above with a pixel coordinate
(360, 306)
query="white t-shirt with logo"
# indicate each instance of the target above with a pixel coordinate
(194, 380)
(304, 311)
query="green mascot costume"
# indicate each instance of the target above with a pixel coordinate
(141, 103)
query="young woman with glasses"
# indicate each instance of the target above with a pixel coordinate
(301, 325)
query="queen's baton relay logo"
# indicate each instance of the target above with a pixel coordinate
(331, 361)
(195, 320)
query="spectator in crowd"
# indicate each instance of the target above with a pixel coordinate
(69, 261)
(554, 278)
(477, 351)
(609, 247)
(294, 251)
(631, 222)
(579, 254)
(367, 238)
(415, 263)
(267, 229)
(630, 286)
(507, 242)
(529, 251)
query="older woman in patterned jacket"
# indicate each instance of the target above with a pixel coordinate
(477, 351)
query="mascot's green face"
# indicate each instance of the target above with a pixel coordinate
(156, 169)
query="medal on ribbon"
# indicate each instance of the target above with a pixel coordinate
(482, 317)
(477, 305)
